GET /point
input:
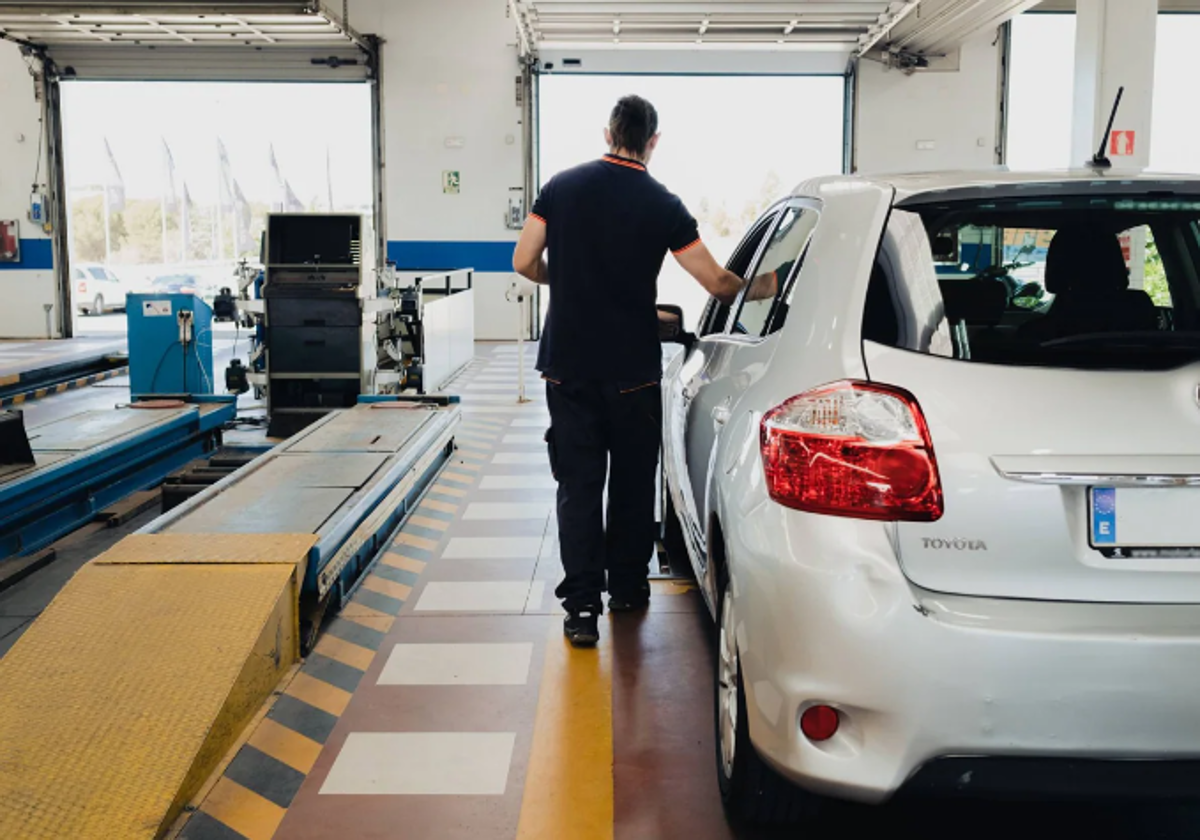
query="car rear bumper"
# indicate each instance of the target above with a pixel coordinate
(1057, 779)
(825, 616)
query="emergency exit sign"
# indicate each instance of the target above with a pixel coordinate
(451, 181)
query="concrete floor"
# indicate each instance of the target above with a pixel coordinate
(442, 702)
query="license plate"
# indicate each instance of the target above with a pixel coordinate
(1145, 522)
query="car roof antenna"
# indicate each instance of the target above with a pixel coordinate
(1100, 160)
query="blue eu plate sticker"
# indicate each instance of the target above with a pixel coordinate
(1104, 516)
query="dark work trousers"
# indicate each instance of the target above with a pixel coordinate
(602, 430)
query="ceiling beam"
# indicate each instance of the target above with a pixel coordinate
(889, 20)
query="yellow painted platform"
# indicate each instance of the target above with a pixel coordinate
(120, 700)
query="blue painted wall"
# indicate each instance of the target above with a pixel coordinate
(412, 255)
(36, 255)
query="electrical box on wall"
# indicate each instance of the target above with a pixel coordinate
(10, 241)
(37, 208)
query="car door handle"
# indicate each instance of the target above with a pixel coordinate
(720, 414)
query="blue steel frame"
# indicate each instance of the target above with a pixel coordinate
(341, 526)
(349, 518)
(371, 550)
(42, 506)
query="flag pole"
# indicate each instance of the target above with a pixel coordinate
(163, 215)
(107, 229)
(220, 200)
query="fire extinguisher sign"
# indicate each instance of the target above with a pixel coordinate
(1122, 143)
(10, 242)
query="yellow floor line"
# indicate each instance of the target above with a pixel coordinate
(283, 744)
(672, 587)
(390, 588)
(423, 543)
(399, 561)
(367, 617)
(569, 784)
(345, 652)
(458, 478)
(443, 507)
(447, 490)
(243, 810)
(219, 773)
(314, 692)
(427, 522)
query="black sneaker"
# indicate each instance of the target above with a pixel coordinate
(629, 603)
(582, 629)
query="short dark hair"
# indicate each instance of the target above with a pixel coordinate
(633, 122)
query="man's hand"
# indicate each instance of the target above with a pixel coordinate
(764, 286)
(699, 262)
(528, 260)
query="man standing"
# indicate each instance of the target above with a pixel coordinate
(608, 226)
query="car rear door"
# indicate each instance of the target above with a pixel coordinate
(1061, 483)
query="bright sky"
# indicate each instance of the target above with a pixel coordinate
(720, 135)
(1043, 82)
(301, 120)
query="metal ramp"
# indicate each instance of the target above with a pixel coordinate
(122, 698)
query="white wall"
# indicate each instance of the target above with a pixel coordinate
(22, 290)
(954, 109)
(449, 71)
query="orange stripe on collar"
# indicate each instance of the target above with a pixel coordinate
(622, 162)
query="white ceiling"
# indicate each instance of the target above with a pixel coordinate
(848, 27)
(215, 23)
(797, 24)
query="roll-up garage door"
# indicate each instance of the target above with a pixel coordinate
(217, 40)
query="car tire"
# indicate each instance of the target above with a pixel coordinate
(751, 792)
(98, 305)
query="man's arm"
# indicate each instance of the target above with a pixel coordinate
(528, 257)
(717, 281)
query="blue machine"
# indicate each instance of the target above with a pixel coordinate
(170, 344)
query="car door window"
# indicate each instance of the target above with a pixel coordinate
(717, 313)
(783, 253)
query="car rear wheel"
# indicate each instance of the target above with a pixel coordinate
(751, 792)
(98, 305)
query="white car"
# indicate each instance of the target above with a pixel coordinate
(950, 538)
(96, 289)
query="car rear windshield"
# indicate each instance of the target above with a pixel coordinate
(1087, 282)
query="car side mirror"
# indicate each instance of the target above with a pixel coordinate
(670, 326)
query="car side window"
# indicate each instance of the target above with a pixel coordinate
(762, 312)
(717, 313)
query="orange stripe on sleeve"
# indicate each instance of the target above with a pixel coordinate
(536, 216)
(687, 247)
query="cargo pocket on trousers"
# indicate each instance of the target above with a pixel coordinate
(551, 451)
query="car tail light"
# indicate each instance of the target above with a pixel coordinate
(852, 449)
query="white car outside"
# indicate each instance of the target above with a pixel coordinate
(96, 289)
(949, 537)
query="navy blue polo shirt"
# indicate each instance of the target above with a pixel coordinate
(609, 226)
